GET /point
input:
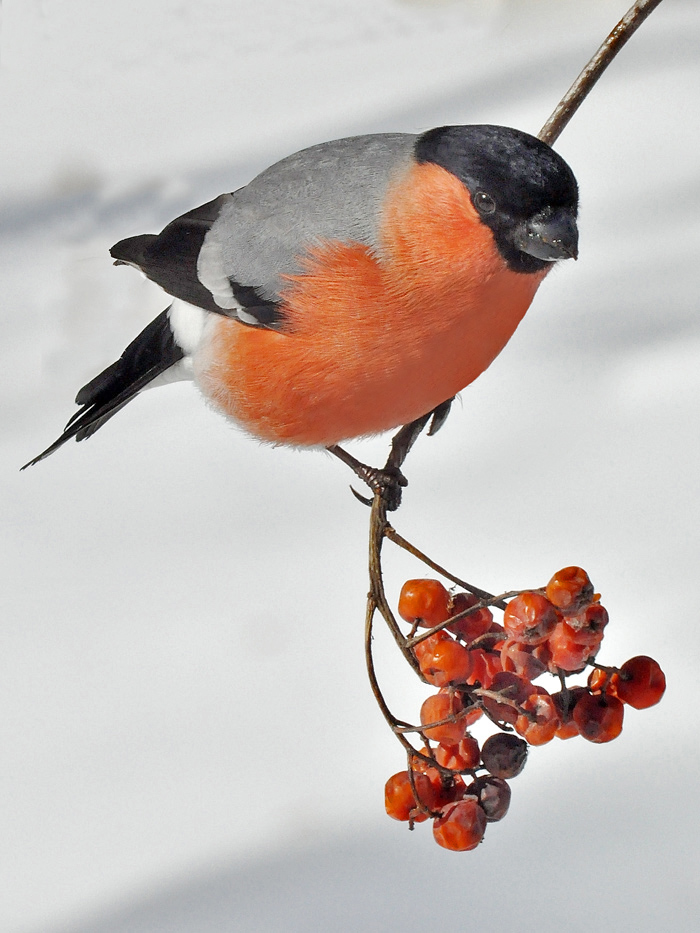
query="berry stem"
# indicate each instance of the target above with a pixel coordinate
(399, 540)
(412, 781)
(500, 696)
(453, 717)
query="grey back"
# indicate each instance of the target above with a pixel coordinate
(333, 191)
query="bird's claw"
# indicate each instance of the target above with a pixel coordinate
(388, 482)
(365, 500)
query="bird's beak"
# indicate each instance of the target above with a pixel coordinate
(549, 237)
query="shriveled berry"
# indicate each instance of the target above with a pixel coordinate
(591, 620)
(571, 650)
(448, 663)
(460, 757)
(427, 646)
(399, 800)
(567, 730)
(473, 625)
(539, 720)
(425, 602)
(504, 754)
(543, 654)
(485, 666)
(441, 706)
(641, 682)
(445, 789)
(599, 717)
(600, 680)
(493, 794)
(520, 659)
(530, 618)
(564, 703)
(570, 589)
(460, 826)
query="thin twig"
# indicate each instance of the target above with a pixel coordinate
(453, 717)
(393, 535)
(377, 596)
(416, 796)
(583, 85)
(483, 604)
(374, 683)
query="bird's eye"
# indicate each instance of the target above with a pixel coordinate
(484, 203)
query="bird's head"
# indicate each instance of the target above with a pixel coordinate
(520, 188)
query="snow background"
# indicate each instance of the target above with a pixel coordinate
(188, 739)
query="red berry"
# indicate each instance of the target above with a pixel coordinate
(600, 680)
(567, 730)
(445, 789)
(504, 754)
(472, 625)
(543, 654)
(539, 720)
(564, 703)
(460, 826)
(571, 650)
(425, 602)
(641, 682)
(520, 659)
(423, 649)
(599, 717)
(399, 800)
(493, 795)
(461, 757)
(485, 666)
(570, 589)
(530, 618)
(420, 764)
(441, 706)
(448, 663)
(591, 620)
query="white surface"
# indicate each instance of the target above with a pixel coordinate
(189, 743)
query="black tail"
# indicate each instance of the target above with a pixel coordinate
(150, 354)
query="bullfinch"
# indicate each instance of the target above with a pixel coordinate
(350, 288)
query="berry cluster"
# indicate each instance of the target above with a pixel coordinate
(482, 668)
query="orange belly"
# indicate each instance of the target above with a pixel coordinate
(373, 341)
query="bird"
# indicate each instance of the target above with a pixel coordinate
(352, 287)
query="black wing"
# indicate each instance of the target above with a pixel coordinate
(170, 257)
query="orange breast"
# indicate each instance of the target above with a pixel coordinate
(374, 340)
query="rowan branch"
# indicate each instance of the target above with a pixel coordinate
(583, 85)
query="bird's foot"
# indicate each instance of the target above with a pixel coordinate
(387, 481)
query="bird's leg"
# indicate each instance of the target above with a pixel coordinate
(389, 481)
